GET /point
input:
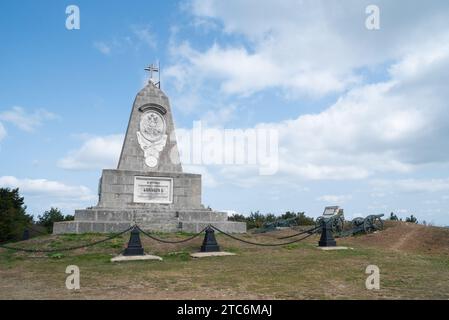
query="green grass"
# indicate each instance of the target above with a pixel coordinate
(293, 271)
(55, 255)
(177, 256)
(294, 246)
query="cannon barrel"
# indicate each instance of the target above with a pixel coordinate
(375, 216)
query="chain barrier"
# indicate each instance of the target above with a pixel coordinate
(37, 231)
(300, 233)
(68, 248)
(169, 241)
(308, 232)
(27, 227)
(260, 244)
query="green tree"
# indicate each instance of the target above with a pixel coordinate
(288, 215)
(411, 219)
(300, 217)
(237, 217)
(270, 217)
(50, 217)
(304, 220)
(13, 217)
(393, 217)
(257, 219)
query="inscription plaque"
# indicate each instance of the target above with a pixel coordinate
(153, 190)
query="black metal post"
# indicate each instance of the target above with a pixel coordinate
(134, 245)
(26, 235)
(327, 239)
(210, 243)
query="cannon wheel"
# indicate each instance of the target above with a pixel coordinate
(377, 223)
(367, 225)
(356, 222)
(372, 224)
(338, 224)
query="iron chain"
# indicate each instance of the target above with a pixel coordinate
(68, 248)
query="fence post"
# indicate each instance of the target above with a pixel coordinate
(327, 239)
(210, 243)
(26, 235)
(134, 247)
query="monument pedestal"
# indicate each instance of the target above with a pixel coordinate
(117, 209)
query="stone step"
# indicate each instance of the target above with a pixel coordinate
(168, 226)
(160, 227)
(141, 215)
(202, 216)
(89, 227)
(109, 216)
(155, 220)
(226, 226)
(155, 210)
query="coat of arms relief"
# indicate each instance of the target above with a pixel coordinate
(152, 136)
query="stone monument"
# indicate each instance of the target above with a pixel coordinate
(149, 186)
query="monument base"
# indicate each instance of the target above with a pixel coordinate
(103, 220)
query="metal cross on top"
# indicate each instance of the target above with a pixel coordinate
(153, 68)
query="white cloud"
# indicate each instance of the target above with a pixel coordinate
(331, 198)
(208, 179)
(241, 72)
(96, 152)
(114, 45)
(102, 47)
(394, 126)
(219, 117)
(412, 185)
(139, 35)
(47, 188)
(145, 35)
(302, 47)
(27, 121)
(2, 131)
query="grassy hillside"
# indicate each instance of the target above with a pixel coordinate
(413, 262)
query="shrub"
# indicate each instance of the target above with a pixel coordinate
(411, 219)
(393, 217)
(51, 216)
(257, 219)
(13, 217)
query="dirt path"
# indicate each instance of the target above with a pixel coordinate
(405, 237)
(409, 234)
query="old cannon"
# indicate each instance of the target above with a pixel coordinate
(334, 217)
(369, 224)
(279, 223)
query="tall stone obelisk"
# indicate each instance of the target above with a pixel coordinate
(150, 142)
(149, 186)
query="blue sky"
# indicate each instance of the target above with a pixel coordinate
(361, 114)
